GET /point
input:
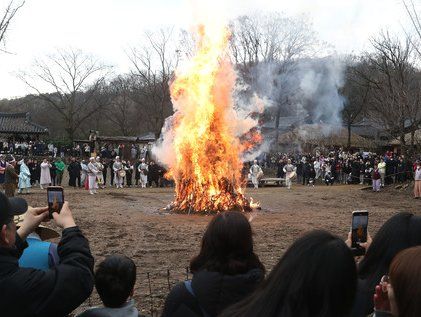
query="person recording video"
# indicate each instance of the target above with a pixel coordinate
(33, 292)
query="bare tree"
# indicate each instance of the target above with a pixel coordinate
(271, 44)
(69, 83)
(153, 67)
(356, 93)
(5, 20)
(121, 109)
(271, 37)
(415, 21)
(394, 85)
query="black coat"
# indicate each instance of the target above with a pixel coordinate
(153, 172)
(56, 292)
(35, 171)
(363, 303)
(213, 293)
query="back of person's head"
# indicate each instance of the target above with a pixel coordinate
(315, 277)
(401, 231)
(114, 280)
(405, 277)
(227, 246)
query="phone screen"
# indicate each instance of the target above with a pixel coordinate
(55, 199)
(359, 227)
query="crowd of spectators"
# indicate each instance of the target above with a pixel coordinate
(39, 148)
(332, 167)
(342, 167)
(317, 276)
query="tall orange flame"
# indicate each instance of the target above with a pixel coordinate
(207, 168)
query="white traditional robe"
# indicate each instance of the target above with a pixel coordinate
(118, 181)
(289, 171)
(143, 170)
(24, 177)
(92, 172)
(45, 178)
(255, 171)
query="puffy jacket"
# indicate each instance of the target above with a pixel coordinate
(55, 292)
(213, 292)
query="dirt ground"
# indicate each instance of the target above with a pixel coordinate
(131, 221)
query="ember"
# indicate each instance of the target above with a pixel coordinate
(207, 168)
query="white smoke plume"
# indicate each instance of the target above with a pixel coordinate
(307, 89)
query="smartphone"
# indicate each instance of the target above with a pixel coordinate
(55, 197)
(359, 231)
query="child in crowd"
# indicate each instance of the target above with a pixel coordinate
(115, 278)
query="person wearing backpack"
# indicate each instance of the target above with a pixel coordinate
(225, 271)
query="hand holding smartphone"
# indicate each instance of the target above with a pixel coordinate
(55, 196)
(359, 231)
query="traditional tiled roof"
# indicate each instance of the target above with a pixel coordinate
(19, 122)
(318, 134)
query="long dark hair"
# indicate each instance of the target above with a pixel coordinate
(316, 277)
(398, 233)
(227, 246)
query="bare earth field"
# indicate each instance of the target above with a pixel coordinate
(131, 221)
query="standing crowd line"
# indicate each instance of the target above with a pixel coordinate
(339, 167)
(92, 174)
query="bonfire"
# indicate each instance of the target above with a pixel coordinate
(207, 166)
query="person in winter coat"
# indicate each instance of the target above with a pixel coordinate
(74, 172)
(137, 172)
(2, 169)
(225, 271)
(153, 174)
(40, 253)
(293, 289)
(10, 177)
(382, 171)
(115, 278)
(60, 167)
(376, 179)
(53, 173)
(30, 292)
(417, 181)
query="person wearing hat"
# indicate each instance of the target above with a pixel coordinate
(24, 177)
(45, 178)
(10, 177)
(39, 254)
(92, 172)
(143, 170)
(32, 292)
(117, 167)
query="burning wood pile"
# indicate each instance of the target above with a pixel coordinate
(204, 130)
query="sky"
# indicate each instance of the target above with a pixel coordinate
(107, 29)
